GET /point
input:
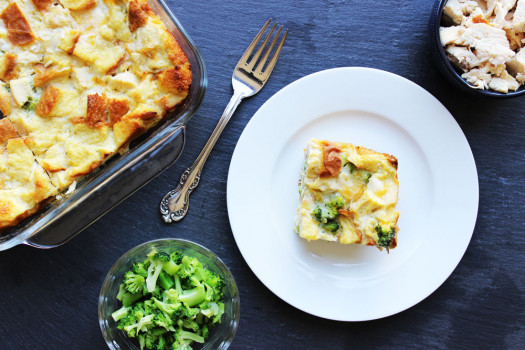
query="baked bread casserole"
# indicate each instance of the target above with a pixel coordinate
(348, 194)
(79, 79)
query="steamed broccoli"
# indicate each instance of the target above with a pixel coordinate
(157, 261)
(327, 216)
(134, 283)
(182, 300)
(140, 269)
(385, 236)
(194, 296)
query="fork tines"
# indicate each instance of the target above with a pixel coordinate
(248, 62)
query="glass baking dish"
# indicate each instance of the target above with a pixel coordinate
(123, 174)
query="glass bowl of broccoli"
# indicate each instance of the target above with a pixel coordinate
(169, 294)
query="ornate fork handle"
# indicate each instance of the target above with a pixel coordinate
(175, 204)
(248, 78)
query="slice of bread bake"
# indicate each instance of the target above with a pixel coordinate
(348, 194)
(78, 81)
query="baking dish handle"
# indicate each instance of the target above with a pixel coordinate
(106, 195)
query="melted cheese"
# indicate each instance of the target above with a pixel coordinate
(58, 55)
(366, 183)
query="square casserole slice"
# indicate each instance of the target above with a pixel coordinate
(348, 194)
(24, 184)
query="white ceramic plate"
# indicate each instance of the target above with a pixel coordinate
(438, 194)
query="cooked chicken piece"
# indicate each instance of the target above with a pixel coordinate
(516, 39)
(453, 11)
(517, 64)
(490, 43)
(450, 35)
(490, 7)
(504, 83)
(501, 11)
(478, 77)
(462, 57)
(518, 21)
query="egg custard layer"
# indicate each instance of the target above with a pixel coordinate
(78, 81)
(348, 194)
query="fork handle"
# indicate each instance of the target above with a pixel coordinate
(175, 204)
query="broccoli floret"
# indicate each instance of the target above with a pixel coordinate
(134, 283)
(188, 265)
(210, 309)
(126, 297)
(140, 269)
(166, 307)
(327, 218)
(385, 236)
(164, 321)
(317, 214)
(148, 340)
(331, 226)
(157, 259)
(170, 296)
(176, 257)
(161, 343)
(141, 325)
(185, 300)
(337, 202)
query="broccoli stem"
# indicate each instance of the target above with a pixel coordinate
(165, 280)
(182, 334)
(193, 296)
(178, 286)
(171, 268)
(128, 299)
(120, 313)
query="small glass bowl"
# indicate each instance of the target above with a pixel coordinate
(221, 335)
(448, 69)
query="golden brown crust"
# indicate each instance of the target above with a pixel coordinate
(134, 100)
(5, 102)
(48, 101)
(8, 72)
(392, 160)
(365, 151)
(114, 67)
(96, 116)
(70, 47)
(174, 79)
(18, 29)
(127, 129)
(332, 161)
(138, 13)
(42, 5)
(44, 74)
(116, 110)
(7, 131)
(5, 210)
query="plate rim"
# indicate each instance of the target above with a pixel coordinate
(474, 201)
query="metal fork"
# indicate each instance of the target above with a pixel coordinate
(249, 76)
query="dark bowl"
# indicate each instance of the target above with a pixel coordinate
(446, 67)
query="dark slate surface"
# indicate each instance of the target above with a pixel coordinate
(48, 299)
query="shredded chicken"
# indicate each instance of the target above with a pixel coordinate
(483, 38)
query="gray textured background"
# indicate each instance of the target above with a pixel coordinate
(48, 299)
